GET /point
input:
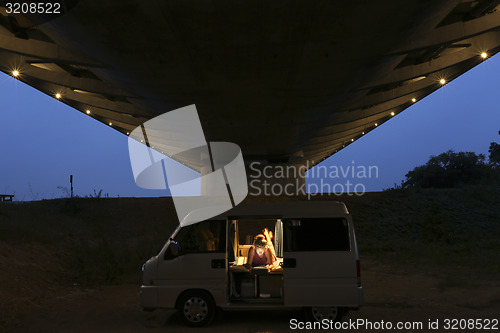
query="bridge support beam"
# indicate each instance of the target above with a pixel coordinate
(266, 179)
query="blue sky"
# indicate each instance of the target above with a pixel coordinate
(463, 115)
(44, 141)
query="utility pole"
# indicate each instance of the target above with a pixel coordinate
(71, 182)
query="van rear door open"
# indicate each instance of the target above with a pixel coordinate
(319, 262)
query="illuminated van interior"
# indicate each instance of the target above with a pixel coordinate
(260, 284)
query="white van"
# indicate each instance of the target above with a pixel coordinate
(202, 266)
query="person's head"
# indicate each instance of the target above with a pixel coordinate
(260, 243)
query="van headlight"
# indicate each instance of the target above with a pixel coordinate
(149, 271)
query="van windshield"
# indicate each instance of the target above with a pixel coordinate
(206, 236)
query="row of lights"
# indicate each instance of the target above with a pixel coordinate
(442, 81)
(15, 73)
(376, 124)
(59, 96)
(88, 112)
(414, 100)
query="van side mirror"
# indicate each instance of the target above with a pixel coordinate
(174, 248)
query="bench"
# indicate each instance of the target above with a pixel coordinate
(6, 197)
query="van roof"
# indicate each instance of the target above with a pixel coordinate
(292, 209)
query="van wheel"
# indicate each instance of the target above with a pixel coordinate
(196, 308)
(318, 313)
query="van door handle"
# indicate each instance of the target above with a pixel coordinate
(218, 263)
(289, 263)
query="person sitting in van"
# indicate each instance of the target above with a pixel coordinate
(259, 254)
(269, 238)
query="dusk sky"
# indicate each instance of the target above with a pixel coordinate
(43, 141)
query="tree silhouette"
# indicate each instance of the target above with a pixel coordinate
(452, 169)
(448, 170)
(494, 153)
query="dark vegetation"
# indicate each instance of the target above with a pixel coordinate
(440, 230)
(49, 247)
(451, 170)
(446, 213)
(494, 154)
(106, 241)
(95, 240)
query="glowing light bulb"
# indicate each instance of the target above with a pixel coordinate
(15, 73)
(362, 133)
(442, 81)
(128, 133)
(484, 55)
(392, 114)
(352, 140)
(58, 96)
(88, 111)
(413, 100)
(110, 124)
(376, 124)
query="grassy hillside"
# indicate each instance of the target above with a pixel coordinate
(455, 229)
(101, 240)
(94, 241)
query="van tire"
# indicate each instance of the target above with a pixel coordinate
(196, 308)
(317, 313)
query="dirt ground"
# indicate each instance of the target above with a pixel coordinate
(390, 294)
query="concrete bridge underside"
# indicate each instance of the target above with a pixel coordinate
(288, 81)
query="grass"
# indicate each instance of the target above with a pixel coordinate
(451, 281)
(98, 241)
(106, 241)
(488, 305)
(444, 229)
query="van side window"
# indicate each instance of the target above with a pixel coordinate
(206, 236)
(316, 234)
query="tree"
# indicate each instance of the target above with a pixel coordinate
(448, 170)
(494, 154)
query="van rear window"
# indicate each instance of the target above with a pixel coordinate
(316, 234)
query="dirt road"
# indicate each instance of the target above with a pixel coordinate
(390, 296)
